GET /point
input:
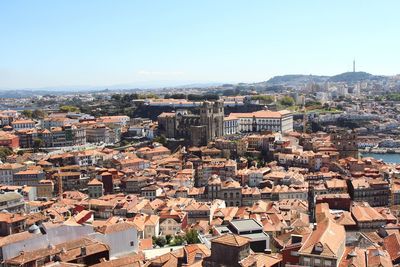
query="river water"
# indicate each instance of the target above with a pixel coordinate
(388, 158)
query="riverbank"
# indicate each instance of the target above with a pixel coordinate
(381, 150)
(386, 157)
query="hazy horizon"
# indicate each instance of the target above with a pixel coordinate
(59, 44)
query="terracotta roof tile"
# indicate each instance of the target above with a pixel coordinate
(231, 240)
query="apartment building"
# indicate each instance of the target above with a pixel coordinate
(23, 124)
(7, 172)
(9, 140)
(376, 192)
(29, 177)
(12, 202)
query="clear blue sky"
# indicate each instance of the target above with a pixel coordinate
(100, 43)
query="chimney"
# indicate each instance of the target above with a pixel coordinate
(83, 251)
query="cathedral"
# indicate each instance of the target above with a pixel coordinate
(345, 141)
(196, 129)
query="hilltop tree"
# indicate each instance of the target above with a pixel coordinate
(69, 109)
(287, 101)
(266, 99)
(175, 96)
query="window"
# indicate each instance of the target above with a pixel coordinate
(318, 247)
(132, 243)
(317, 261)
(198, 256)
(294, 253)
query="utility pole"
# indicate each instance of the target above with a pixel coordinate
(60, 187)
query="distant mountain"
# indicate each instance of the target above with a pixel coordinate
(353, 77)
(348, 77)
(197, 85)
(296, 78)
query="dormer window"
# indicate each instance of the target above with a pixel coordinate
(318, 247)
(198, 256)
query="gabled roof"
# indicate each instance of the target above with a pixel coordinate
(67, 251)
(363, 212)
(346, 219)
(116, 227)
(231, 240)
(95, 182)
(328, 237)
(261, 260)
(130, 260)
(392, 245)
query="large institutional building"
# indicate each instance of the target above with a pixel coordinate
(211, 123)
(263, 120)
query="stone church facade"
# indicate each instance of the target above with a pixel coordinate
(196, 129)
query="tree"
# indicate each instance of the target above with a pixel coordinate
(160, 139)
(69, 109)
(192, 237)
(124, 142)
(37, 144)
(130, 97)
(209, 97)
(177, 241)
(194, 97)
(149, 95)
(313, 103)
(266, 99)
(287, 101)
(175, 96)
(5, 152)
(161, 241)
(228, 92)
(116, 97)
(392, 97)
(38, 114)
(168, 238)
(27, 113)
